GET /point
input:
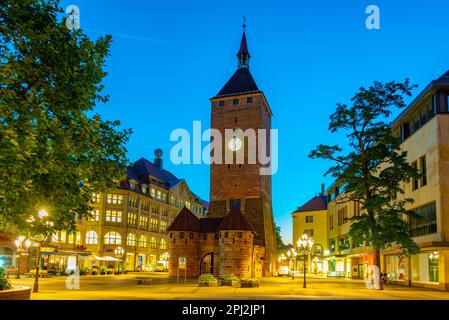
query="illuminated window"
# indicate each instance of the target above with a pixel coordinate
(131, 240)
(78, 238)
(163, 245)
(63, 237)
(142, 241)
(115, 198)
(94, 215)
(55, 237)
(91, 237)
(112, 238)
(164, 225)
(164, 197)
(153, 243)
(132, 202)
(143, 221)
(159, 196)
(154, 224)
(95, 198)
(153, 192)
(132, 218)
(113, 216)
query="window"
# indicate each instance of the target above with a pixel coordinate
(331, 222)
(115, 198)
(131, 240)
(142, 241)
(153, 243)
(158, 195)
(235, 102)
(415, 181)
(164, 225)
(154, 224)
(132, 202)
(112, 238)
(94, 215)
(425, 222)
(78, 238)
(113, 216)
(221, 103)
(234, 202)
(153, 192)
(405, 131)
(344, 243)
(249, 100)
(91, 237)
(132, 218)
(204, 236)
(308, 232)
(143, 221)
(63, 237)
(423, 165)
(95, 198)
(163, 244)
(181, 235)
(342, 216)
(309, 219)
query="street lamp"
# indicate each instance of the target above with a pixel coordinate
(119, 252)
(22, 245)
(42, 214)
(305, 245)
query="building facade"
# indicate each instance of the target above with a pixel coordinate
(240, 106)
(133, 218)
(423, 128)
(311, 219)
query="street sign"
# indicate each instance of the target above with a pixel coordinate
(182, 263)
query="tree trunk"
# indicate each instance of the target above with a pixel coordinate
(378, 278)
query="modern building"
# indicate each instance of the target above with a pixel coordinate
(241, 105)
(132, 218)
(423, 128)
(311, 219)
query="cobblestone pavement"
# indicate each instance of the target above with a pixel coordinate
(125, 287)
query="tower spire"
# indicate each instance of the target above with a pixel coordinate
(243, 54)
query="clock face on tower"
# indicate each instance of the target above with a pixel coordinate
(235, 144)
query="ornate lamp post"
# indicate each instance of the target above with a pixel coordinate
(22, 245)
(305, 245)
(119, 252)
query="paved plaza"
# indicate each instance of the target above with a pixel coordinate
(123, 287)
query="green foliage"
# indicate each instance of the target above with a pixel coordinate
(281, 247)
(205, 277)
(374, 165)
(4, 282)
(54, 151)
(230, 278)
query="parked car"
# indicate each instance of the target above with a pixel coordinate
(283, 271)
(145, 268)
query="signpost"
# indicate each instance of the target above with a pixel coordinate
(182, 265)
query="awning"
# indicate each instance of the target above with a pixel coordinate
(107, 258)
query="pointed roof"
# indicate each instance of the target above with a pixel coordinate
(444, 77)
(241, 82)
(243, 46)
(315, 204)
(235, 220)
(185, 221)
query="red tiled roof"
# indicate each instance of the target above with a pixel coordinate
(315, 204)
(185, 221)
(235, 220)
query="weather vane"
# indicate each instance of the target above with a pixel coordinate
(244, 22)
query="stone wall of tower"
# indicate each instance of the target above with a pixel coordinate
(236, 253)
(183, 244)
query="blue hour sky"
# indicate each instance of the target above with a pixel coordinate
(169, 57)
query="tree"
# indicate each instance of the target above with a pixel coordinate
(54, 152)
(281, 247)
(373, 167)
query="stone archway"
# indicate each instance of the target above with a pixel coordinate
(207, 264)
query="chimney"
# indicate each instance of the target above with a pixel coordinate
(322, 189)
(158, 162)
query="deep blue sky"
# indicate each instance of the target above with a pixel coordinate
(169, 57)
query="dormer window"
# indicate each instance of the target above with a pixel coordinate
(144, 189)
(132, 185)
